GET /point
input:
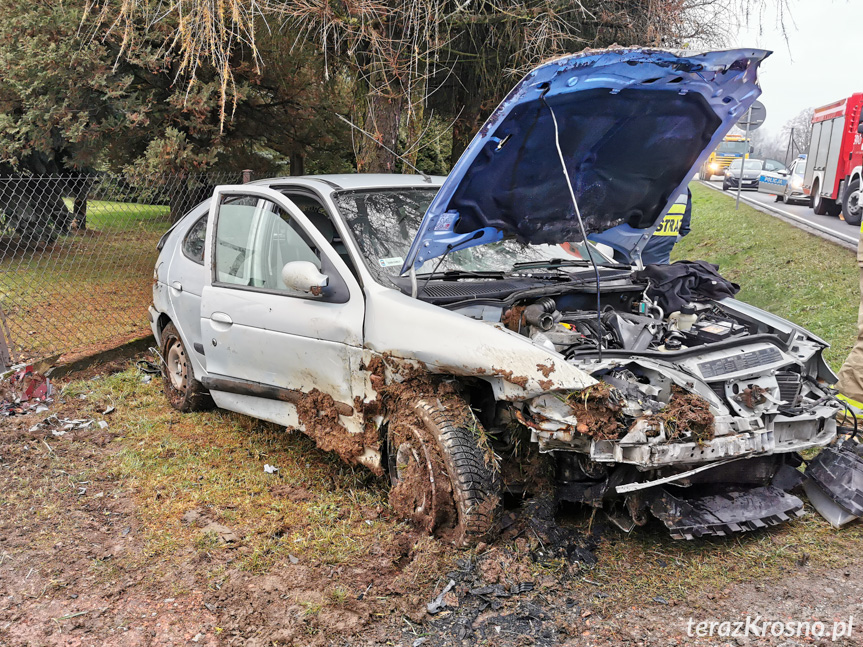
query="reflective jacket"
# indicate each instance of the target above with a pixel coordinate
(673, 226)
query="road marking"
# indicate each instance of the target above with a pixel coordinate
(787, 214)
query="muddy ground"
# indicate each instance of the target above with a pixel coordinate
(164, 529)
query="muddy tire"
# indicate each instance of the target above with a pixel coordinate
(184, 392)
(444, 476)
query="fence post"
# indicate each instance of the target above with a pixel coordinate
(5, 353)
(247, 175)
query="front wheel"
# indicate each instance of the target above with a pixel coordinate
(184, 392)
(444, 475)
(851, 204)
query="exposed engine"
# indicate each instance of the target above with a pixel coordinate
(643, 327)
(681, 398)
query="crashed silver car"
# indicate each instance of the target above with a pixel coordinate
(450, 332)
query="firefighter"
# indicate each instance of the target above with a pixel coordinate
(850, 383)
(673, 227)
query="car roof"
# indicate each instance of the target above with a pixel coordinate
(348, 181)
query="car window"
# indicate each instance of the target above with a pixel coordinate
(255, 238)
(773, 165)
(751, 165)
(800, 168)
(193, 243)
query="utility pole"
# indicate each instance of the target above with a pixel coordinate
(743, 162)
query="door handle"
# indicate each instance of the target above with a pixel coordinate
(221, 317)
(177, 286)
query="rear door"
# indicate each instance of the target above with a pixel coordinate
(187, 277)
(267, 345)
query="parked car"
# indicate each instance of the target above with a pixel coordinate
(751, 172)
(785, 184)
(435, 331)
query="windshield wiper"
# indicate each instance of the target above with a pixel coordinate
(462, 274)
(560, 262)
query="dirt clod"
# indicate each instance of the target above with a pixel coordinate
(687, 415)
(597, 408)
(513, 318)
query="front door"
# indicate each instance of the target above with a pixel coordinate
(268, 345)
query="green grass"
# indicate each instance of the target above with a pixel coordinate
(111, 216)
(780, 268)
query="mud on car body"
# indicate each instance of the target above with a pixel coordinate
(436, 331)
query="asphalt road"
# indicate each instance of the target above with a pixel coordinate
(802, 216)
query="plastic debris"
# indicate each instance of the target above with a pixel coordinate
(834, 482)
(270, 469)
(24, 391)
(437, 605)
(103, 424)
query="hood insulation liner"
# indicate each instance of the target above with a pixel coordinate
(623, 156)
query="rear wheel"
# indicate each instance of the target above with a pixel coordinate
(183, 391)
(851, 207)
(819, 205)
(444, 475)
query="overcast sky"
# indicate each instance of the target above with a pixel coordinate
(821, 61)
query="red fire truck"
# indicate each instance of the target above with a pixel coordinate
(833, 168)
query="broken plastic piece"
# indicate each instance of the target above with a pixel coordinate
(270, 469)
(835, 514)
(724, 513)
(437, 605)
(838, 474)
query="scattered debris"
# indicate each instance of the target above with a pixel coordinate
(270, 469)
(26, 390)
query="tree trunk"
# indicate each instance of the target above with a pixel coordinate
(468, 123)
(298, 164)
(383, 115)
(79, 213)
(414, 124)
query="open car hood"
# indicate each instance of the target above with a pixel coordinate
(634, 125)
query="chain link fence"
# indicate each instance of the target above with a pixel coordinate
(77, 255)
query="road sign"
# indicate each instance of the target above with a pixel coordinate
(754, 117)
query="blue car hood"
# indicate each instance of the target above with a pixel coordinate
(634, 125)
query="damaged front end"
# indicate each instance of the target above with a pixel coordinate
(704, 437)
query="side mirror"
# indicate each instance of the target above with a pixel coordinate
(751, 149)
(303, 276)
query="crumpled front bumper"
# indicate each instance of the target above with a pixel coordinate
(553, 428)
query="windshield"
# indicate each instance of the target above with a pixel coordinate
(800, 168)
(730, 148)
(751, 165)
(385, 221)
